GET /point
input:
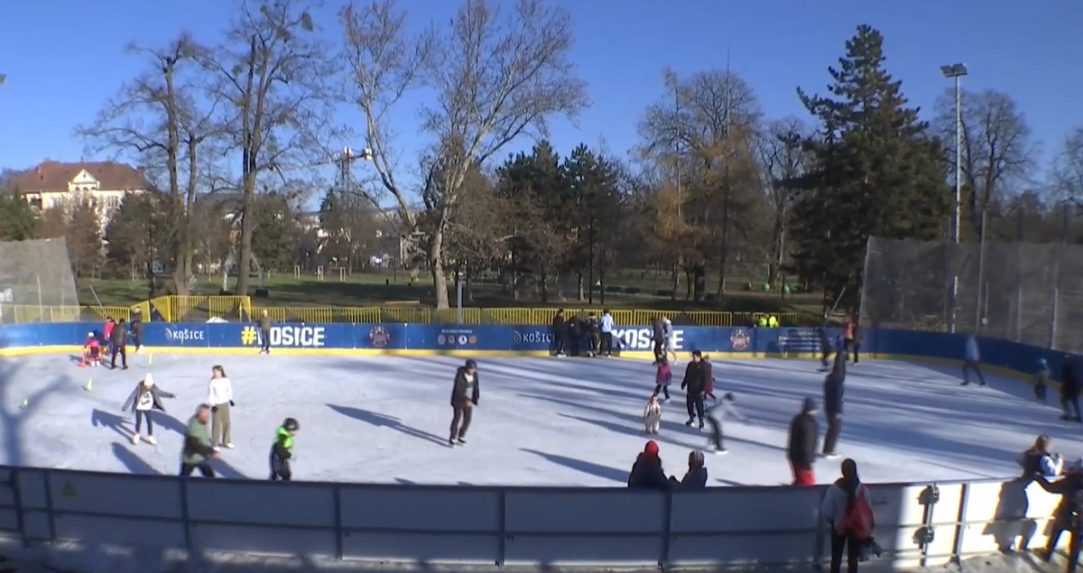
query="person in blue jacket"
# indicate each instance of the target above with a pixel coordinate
(972, 361)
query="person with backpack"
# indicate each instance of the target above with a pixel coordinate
(1069, 514)
(282, 450)
(847, 511)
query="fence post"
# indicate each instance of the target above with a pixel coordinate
(667, 525)
(502, 548)
(338, 521)
(960, 525)
(182, 483)
(20, 519)
(49, 505)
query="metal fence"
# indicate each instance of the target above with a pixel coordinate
(1017, 291)
(917, 524)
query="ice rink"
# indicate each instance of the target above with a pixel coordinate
(571, 421)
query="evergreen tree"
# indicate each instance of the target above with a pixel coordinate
(138, 235)
(83, 236)
(593, 184)
(276, 233)
(875, 170)
(17, 219)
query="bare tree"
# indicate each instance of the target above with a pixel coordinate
(164, 117)
(782, 160)
(1068, 168)
(995, 147)
(270, 72)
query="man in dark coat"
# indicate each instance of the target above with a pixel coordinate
(695, 382)
(833, 393)
(465, 394)
(137, 330)
(1069, 391)
(658, 337)
(118, 343)
(801, 451)
(647, 472)
(1069, 514)
(558, 333)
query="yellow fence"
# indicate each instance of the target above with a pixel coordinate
(240, 308)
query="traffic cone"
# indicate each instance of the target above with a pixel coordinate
(89, 385)
(25, 404)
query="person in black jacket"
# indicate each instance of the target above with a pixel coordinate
(695, 382)
(118, 342)
(833, 393)
(464, 398)
(801, 451)
(558, 333)
(1069, 391)
(647, 472)
(658, 337)
(696, 476)
(825, 347)
(1069, 514)
(282, 450)
(137, 330)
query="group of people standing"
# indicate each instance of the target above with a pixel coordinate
(583, 335)
(113, 339)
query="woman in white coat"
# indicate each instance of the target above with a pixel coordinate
(220, 399)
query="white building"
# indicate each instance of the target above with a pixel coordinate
(54, 184)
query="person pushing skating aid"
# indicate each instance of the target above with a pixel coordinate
(282, 450)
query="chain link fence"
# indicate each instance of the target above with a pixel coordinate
(35, 280)
(1026, 292)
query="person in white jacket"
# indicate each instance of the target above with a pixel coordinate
(220, 398)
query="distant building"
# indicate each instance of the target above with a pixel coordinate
(54, 184)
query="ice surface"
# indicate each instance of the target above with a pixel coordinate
(540, 421)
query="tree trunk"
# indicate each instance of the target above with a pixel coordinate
(676, 276)
(579, 286)
(248, 222)
(724, 255)
(436, 265)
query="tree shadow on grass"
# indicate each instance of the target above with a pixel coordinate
(385, 421)
(605, 472)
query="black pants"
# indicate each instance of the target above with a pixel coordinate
(824, 355)
(137, 342)
(123, 356)
(659, 349)
(1060, 526)
(1071, 406)
(204, 468)
(853, 550)
(265, 340)
(695, 406)
(852, 346)
(716, 431)
(664, 388)
(558, 342)
(971, 365)
(139, 416)
(834, 428)
(607, 343)
(462, 413)
(280, 469)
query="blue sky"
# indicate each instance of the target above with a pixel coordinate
(64, 58)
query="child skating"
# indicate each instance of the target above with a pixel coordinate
(92, 351)
(282, 450)
(663, 376)
(144, 399)
(652, 415)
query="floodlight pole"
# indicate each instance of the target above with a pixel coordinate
(956, 71)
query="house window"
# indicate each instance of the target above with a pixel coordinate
(35, 201)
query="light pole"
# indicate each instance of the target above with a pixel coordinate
(956, 71)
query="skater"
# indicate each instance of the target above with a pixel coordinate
(662, 378)
(144, 399)
(801, 451)
(118, 343)
(694, 384)
(137, 330)
(265, 333)
(607, 333)
(658, 338)
(1069, 514)
(464, 398)
(971, 361)
(558, 333)
(282, 450)
(1040, 460)
(1069, 391)
(716, 415)
(708, 378)
(1041, 380)
(825, 348)
(647, 472)
(846, 509)
(107, 330)
(652, 415)
(834, 388)
(667, 336)
(850, 341)
(696, 476)
(197, 444)
(92, 350)
(593, 334)
(571, 336)
(220, 400)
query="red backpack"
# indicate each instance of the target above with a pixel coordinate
(858, 521)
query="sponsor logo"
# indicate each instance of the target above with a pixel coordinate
(185, 335)
(303, 336)
(531, 337)
(640, 338)
(456, 338)
(740, 340)
(379, 337)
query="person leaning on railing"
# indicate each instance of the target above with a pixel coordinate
(1067, 516)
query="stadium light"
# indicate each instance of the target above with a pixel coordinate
(956, 71)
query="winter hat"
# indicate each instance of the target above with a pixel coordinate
(471, 364)
(809, 405)
(90, 334)
(651, 449)
(291, 425)
(148, 380)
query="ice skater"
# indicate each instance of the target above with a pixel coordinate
(693, 384)
(825, 349)
(137, 330)
(265, 333)
(607, 333)
(658, 339)
(1041, 380)
(220, 400)
(708, 378)
(652, 415)
(667, 335)
(92, 351)
(144, 399)
(465, 394)
(662, 377)
(282, 450)
(197, 444)
(1069, 391)
(972, 361)
(557, 332)
(716, 415)
(801, 451)
(118, 344)
(850, 342)
(834, 388)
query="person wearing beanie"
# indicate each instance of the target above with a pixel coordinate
(647, 472)
(282, 450)
(1069, 514)
(465, 394)
(847, 510)
(695, 384)
(801, 451)
(145, 398)
(696, 476)
(1041, 380)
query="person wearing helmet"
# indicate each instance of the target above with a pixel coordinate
(92, 350)
(464, 397)
(282, 450)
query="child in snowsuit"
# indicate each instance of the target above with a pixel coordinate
(652, 415)
(663, 377)
(144, 399)
(282, 450)
(1041, 380)
(92, 351)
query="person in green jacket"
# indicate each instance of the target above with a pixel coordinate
(197, 444)
(282, 450)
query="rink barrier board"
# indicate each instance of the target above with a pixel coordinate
(513, 525)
